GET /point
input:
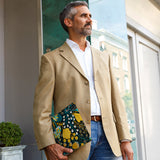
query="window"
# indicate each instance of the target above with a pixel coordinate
(126, 83)
(145, 55)
(115, 60)
(125, 66)
(118, 81)
(102, 46)
(115, 40)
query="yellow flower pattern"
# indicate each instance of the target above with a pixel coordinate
(82, 144)
(66, 133)
(69, 129)
(78, 117)
(75, 145)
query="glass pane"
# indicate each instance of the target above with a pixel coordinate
(110, 35)
(53, 33)
(148, 61)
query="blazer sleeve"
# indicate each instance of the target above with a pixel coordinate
(118, 108)
(43, 104)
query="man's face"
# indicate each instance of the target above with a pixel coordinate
(82, 23)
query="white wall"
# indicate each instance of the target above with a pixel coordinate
(144, 13)
(21, 68)
(2, 61)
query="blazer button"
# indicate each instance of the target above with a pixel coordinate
(86, 82)
(88, 101)
(88, 121)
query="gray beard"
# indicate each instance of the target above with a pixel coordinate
(86, 31)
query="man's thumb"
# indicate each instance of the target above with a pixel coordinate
(67, 150)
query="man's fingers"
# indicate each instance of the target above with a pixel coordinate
(130, 156)
(62, 157)
(127, 151)
(67, 150)
(55, 152)
(123, 156)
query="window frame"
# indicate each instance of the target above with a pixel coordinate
(132, 29)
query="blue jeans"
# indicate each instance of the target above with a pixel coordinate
(100, 148)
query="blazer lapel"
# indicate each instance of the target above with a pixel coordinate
(67, 54)
(96, 62)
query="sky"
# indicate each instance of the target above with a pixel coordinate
(110, 15)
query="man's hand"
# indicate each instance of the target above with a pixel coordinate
(55, 152)
(126, 150)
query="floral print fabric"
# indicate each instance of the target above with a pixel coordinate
(69, 129)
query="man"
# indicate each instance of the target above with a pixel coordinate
(76, 72)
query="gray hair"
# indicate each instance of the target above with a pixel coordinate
(69, 12)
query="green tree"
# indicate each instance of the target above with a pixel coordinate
(128, 104)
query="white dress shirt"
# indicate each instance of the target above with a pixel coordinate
(85, 60)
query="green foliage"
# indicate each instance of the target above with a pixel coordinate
(128, 104)
(10, 134)
(127, 99)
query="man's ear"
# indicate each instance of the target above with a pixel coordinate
(68, 22)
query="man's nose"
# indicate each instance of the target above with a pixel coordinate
(89, 19)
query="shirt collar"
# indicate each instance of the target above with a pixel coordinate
(73, 44)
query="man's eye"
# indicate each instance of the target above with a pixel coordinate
(83, 15)
(86, 15)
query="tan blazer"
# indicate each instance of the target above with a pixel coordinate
(63, 80)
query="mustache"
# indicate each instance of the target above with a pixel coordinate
(88, 24)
